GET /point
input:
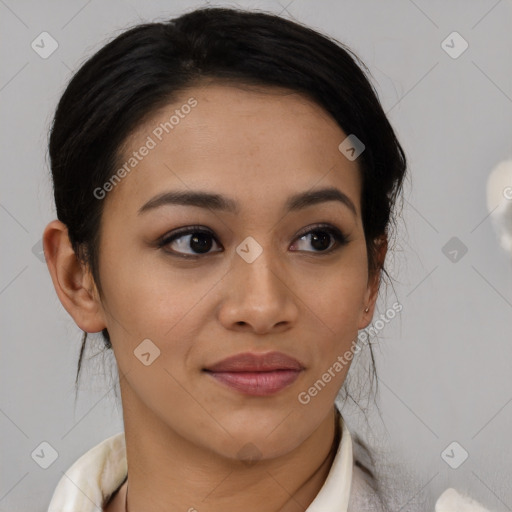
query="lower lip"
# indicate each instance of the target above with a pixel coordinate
(257, 383)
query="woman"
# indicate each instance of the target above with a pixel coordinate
(197, 165)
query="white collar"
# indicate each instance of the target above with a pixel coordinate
(90, 482)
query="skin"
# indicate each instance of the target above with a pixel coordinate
(184, 430)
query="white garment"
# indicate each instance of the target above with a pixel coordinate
(90, 482)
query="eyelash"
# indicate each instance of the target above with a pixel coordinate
(338, 236)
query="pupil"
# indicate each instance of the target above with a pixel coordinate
(202, 242)
(323, 239)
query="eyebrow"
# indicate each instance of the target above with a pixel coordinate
(222, 203)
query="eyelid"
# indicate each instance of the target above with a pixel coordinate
(319, 226)
(186, 230)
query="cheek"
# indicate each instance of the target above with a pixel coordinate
(153, 301)
(145, 293)
(333, 313)
(336, 298)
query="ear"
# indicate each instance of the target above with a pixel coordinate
(372, 291)
(74, 285)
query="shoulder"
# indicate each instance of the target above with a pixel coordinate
(91, 479)
(365, 492)
(380, 486)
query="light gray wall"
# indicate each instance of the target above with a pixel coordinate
(444, 363)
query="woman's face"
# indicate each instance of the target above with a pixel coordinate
(248, 278)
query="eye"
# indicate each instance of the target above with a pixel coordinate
(321, 237)
(192, 238)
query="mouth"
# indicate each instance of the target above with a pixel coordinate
(256, 374)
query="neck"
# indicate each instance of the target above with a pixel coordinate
(299, 501)
(288, 483)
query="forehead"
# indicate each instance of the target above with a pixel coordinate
(264, 143)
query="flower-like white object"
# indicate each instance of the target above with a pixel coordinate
(499, 202)
(453, 501)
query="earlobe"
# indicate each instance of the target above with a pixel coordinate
(372, 291)
(368, 306)
(72, 282)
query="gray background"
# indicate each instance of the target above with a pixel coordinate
(443, 363)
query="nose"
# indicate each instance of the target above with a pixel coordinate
(259, 296)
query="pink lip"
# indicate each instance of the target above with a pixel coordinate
(257, 374)
(257, 383)
(251, 362)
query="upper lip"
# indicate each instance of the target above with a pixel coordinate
(253, 362)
